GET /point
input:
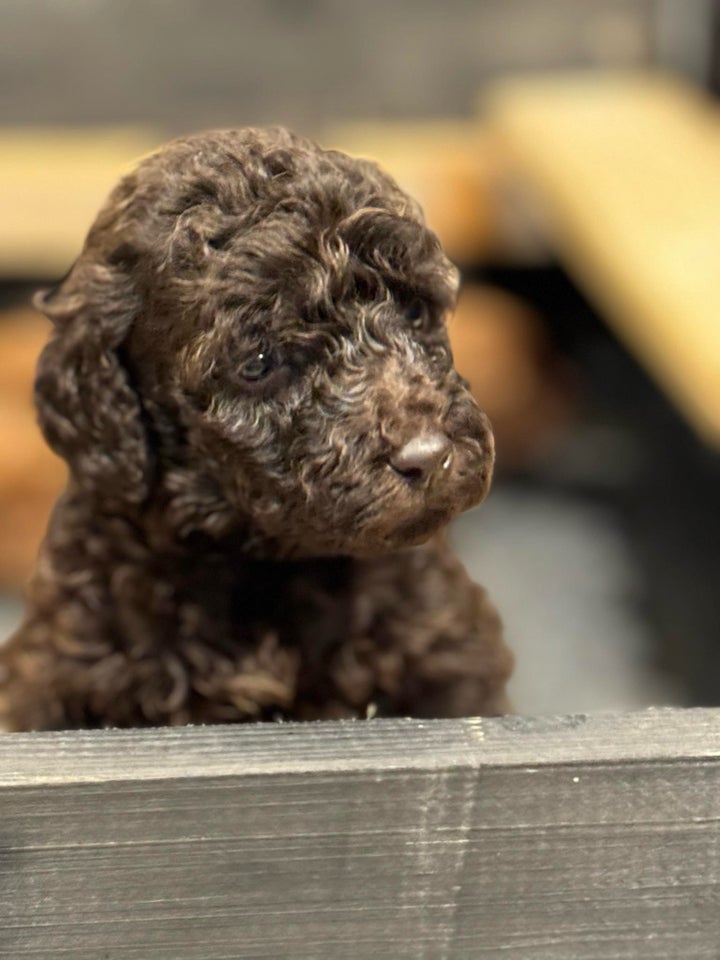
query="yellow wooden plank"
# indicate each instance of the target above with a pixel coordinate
(627, 167)
(52, 182)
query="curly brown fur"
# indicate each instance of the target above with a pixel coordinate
(251, 382)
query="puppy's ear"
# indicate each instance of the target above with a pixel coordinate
(88, 410)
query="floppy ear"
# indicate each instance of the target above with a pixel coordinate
(88, 410)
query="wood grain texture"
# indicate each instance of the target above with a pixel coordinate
(446, 840)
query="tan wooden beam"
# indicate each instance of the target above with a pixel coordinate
(52, 182)
(626, 168)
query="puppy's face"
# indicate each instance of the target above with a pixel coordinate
(336, 420)
(290, 348)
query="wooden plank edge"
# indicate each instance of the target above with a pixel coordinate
(664, 735)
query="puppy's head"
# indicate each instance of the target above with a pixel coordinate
(255, 334)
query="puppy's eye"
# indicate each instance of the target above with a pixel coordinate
(417, 313)
(258, 367)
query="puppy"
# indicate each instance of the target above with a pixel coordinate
(251, 382)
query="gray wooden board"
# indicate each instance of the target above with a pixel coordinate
(571, 838)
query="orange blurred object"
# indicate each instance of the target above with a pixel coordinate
(501, 347)
(31, 476)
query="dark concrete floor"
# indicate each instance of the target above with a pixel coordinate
(561, 574)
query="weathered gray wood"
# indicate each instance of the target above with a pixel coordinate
(448, 840)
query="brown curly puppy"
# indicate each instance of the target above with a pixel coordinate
(251, 382)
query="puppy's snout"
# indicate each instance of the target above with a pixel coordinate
(421, 455)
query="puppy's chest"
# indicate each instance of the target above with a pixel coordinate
(309, 606)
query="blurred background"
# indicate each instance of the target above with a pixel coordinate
(568, 154)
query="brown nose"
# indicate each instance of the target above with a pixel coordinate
(420, 456)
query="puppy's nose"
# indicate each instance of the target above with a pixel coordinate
(420, 456)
